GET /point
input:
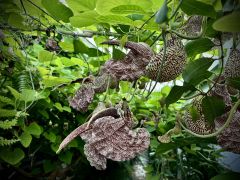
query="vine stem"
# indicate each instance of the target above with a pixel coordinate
(107, 90)
(191, 97)
(230, 117)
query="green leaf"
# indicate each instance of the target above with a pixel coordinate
(12, 157)
(210, 32)
(29, 95)
(6, 100)
(16, 20)
(28, 6)
(68, 109)
(124, 86)
(58, 10)
(79, 46)
(196, 71)
(84, 19)
(227, 176)
(194, 7)
(156, 4)
(115, 19)
(34, 129)
(45, 56)
(228, 23)
(50, 136)
(50, 81)
(43, 71)
(79, 21)
(25, 139)
(152, 26)
(66, 157)
(8, 124)
(75, 61)
(161, 15)
(175, 94)
(117, 54)
(194, 113)
(198, 46)
(93, 52)
(212, 107)
(58, 106)
(181, 142)
(127, 9)
(104, 7)
(123, 40)
(67, 46)
(234, 82)
(81, 5)
(7, 113)
(217, 5)
(14, 92)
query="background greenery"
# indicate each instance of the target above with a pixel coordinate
(37, 79)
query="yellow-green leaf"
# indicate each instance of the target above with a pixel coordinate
(57, 9)
(228, 23)
(34, 129)
(115, 19)
(127, 9)
(25, 139)
(12, 157)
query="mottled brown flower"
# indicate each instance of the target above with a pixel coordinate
(109, 136)
(229, 138)
(200, 125)
(173, 64)
(193, 26)
(83, 97)
(232, 67)
(132, 66)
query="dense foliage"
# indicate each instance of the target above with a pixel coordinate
(48, 48)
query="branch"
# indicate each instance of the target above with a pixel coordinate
(84, 33)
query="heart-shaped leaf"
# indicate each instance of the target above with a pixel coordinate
(34, 129)
(197, 71)
(12, 157)
(194, 7)
(212, 107)
(176, 93)
(57, 9)
(198, 46)
(25, 139)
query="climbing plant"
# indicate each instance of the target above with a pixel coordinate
(176, 63)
